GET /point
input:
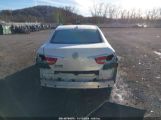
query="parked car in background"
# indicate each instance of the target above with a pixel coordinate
(79, 57)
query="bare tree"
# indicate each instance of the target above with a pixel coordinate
(102, 12)
(147, 14)
(98, 12)
(65, 15)
(112, 11)
(155, 13)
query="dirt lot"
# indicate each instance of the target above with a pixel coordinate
(137, 88)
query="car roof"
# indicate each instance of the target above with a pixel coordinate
(63, 27)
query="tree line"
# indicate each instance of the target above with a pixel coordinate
(100, 13)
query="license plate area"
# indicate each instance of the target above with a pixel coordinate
(77, 72)
(76, 75)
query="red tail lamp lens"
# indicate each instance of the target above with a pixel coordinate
(50, 60)
(101, 60)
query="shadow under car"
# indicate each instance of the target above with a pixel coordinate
(22, 96)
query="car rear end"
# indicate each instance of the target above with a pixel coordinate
(77, 57)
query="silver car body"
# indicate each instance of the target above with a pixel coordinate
(76, 65)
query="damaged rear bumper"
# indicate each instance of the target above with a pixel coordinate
(88, 82)
(104, 78)
(77, 85)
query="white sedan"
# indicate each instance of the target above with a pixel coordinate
(78, 57)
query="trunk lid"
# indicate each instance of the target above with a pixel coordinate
(76, 57)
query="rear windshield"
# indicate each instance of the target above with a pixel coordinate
(76, 36)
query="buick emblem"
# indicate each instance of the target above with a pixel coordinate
(75, 55)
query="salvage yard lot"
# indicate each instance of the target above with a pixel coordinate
(138, 83)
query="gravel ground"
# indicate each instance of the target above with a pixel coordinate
(138, 81)
(140, 67)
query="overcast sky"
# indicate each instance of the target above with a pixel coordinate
(83, 6)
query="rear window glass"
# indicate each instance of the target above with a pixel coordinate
(76, 36)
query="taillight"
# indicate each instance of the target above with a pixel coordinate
(103, 59)
(49, 60)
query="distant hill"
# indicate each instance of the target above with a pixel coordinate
(46, 14)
